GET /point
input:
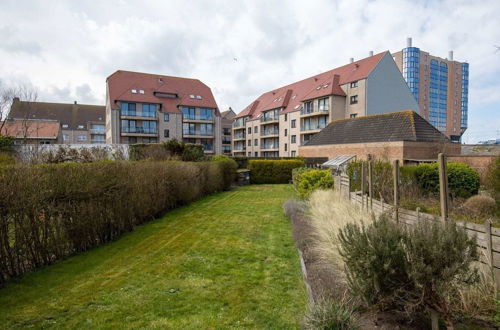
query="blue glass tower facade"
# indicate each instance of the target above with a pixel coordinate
(438, 94)
(465, 96)
(411, 70)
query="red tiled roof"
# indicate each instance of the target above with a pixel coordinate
(121, 83)
(31, 129)
(323, 84)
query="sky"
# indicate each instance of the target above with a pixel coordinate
(66, 49)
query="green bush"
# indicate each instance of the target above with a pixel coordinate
(312, 180)
(51, 211)
(409, 269)
(6, 143)
(296, 173)
(463, 180)
(149, 151)
(192, 152)
(493, 179)
(229, 167)
(273, 171)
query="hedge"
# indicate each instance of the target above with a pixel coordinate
(309, 181)
(273, 171)
(48, 212)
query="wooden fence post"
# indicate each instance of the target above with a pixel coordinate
(489, 243)
(418, 214)
(370, 183)
(363, 184)
(349, 185)
(443, 186)
(396, 189)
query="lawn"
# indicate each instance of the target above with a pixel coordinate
(226, 261)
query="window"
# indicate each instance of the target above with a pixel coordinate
(354, 99)
(308, 107)
(256, 129)
(353, 115)
(249, 143)
(256, 142)
(256, 154)
(294, 153)
(286, 146)
(354, 84)
(65, 126)
(249, 130)
(206, 114)
(249, 154)
(226, 131)
(141, 91)
(294, 138)
(286, 116)
(80, 126)
(188, 113)
(127, 109)
(294, 124)
(166, 133)
(81, 138)
(134, 91)
(65, 137)
(148, 110)
(286, 132)
(323, 104)
(166, 117)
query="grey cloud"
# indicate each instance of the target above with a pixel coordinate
(13, 42)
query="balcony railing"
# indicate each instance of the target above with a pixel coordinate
(239, 136)
(139, 130)
(97, 141)
(197, 117)
(198, 133)
(238, 124)
(270, 146)
(314, 110)
(269, 132)
(239, 148)
(312, 127)
(97, 131)
(138, 114)
(270, 118)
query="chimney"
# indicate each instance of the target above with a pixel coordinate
(351, 60)
(450, 55)
(408, 42)
(370, 53)
(336, 79)
(75, 102)
(15, 99)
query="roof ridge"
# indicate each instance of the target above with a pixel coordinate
(155, 74)
(61, 103)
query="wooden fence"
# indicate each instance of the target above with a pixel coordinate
(488, 238)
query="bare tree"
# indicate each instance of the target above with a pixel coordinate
(24, 93)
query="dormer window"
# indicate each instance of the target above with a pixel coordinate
(198, 97)
(65, 126)
(141, 91)
(134, 91)
(80, 127)
(191, 96)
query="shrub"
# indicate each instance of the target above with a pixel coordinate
(149, 151)
(493, 178)
(6, 159)
(463, 180)
(329, 314)
(6, 143)
(273, 171)
(296, 173)
(312, 180)
(174, 147)
(382, 178)
(480, 206)
(229, 167)
(192, 152)
(409, 269)
(52, 211)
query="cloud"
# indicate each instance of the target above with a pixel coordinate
(68, 48)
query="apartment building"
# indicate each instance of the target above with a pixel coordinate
(78, 123)
(150, 108)
(227, 118)
(440, 86)
(280, 120)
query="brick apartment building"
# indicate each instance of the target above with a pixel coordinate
(227, 118)
(441, 87)
(55, 123)
(149, 108)
(280, 120)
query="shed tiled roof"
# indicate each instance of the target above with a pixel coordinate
(31, 129)
(396, 126)
(69, 114)
(291, 96)
(121, 83)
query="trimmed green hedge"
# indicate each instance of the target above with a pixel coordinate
(48, 212)
(273, 171)
(308, 181)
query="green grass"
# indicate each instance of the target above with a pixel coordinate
(226, 261)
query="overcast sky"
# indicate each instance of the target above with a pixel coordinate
(66, 49)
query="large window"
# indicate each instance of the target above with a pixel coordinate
(148, 110)
(148, 127)
(189, 113)
(127, 109)
(206, 114)
(323, 104)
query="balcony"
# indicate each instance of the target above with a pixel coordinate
(196, 133)
(237, 137)
(148, 115)
(269, 132)
(237, 124)
(97, 141)
(239, 148)
(97, 131)
(269, 119)
(312, 128)
(314, 112)
(208, 148)
(269, 147)
(198, 118)
(139, 131)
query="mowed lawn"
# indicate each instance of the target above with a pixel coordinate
(226, 261)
